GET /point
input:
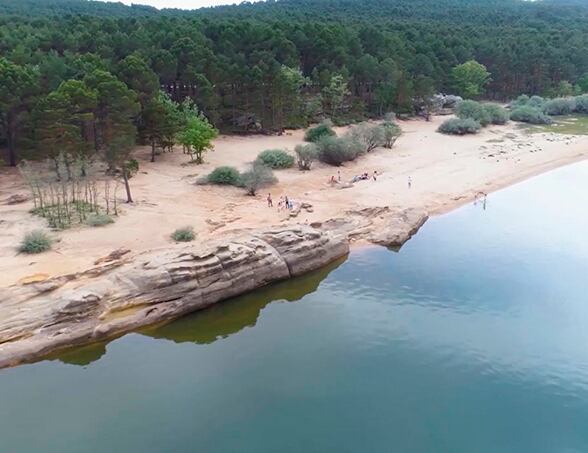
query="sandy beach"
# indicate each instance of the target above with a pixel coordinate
(446, 172)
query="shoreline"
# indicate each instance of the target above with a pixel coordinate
(83, 309)
(470, 198)
(61, 299)
(546, 168)
(125, 295)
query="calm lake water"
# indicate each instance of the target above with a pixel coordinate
(472, 338)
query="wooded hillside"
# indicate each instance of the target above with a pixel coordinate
(266, 66)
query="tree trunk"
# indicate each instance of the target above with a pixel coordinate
(127, 187)
(152, 150)
(11, 148)
(95, 131)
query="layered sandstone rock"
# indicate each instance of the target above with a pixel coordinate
(394, 231)
(378, 225)
(43, 316)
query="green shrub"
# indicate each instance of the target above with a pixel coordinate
(257, 177)
(459, 126)
(335, 150)
(276, 158)
(473, 110)
(391, 133)
(526, 101)
(370, 136)
(536, 101)
(521, 101)
(530, 115)
(314, 134)
(185, 234)
(229, 176)
(582, 103)
(559, 106)
(96, 220)
(306, 155)
(36, 241)
(496, 114)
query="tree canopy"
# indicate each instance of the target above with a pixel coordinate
(470, 79)
(270, 65)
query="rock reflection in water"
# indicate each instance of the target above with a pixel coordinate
(218, 321)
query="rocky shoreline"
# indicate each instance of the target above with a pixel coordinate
(124, 293)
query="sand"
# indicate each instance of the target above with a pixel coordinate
(446, 172)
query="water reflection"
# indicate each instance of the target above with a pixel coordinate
(81, 356)
(219, 321)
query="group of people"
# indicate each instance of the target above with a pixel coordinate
(364, 177)
(287, 203)
(284, 203)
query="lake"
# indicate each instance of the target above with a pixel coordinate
(472, 338)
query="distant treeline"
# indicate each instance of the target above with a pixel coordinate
(270, 65)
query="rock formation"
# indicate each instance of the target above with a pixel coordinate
(378, 225)
(127, 293)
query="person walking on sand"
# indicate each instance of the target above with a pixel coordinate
(287, 202)
(339, 175)
(270, 202)
(409, 182)
(375, 175)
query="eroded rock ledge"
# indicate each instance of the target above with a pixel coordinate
(378, 225)
(123, 292)
(101, 303)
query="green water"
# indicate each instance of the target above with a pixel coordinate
(472, 338)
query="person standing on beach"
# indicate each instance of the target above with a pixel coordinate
(287, 202)
(270, 202)
(339, 175)
(375, 175)
(409, 182)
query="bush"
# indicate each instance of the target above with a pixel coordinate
(370, 136)
(530, 115)
(97, 220)
(335, 151)
(35, 242)
(536, 101)
(559, 106)
(473, 110)
(306, 155)
(391, 133)
(229, 176)
(276, 158)
(521, 101)
(257, 177)
(458, 126)
(314, 134)
(496, 114)
(185, 234)
(582, 103)
(526, 101)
